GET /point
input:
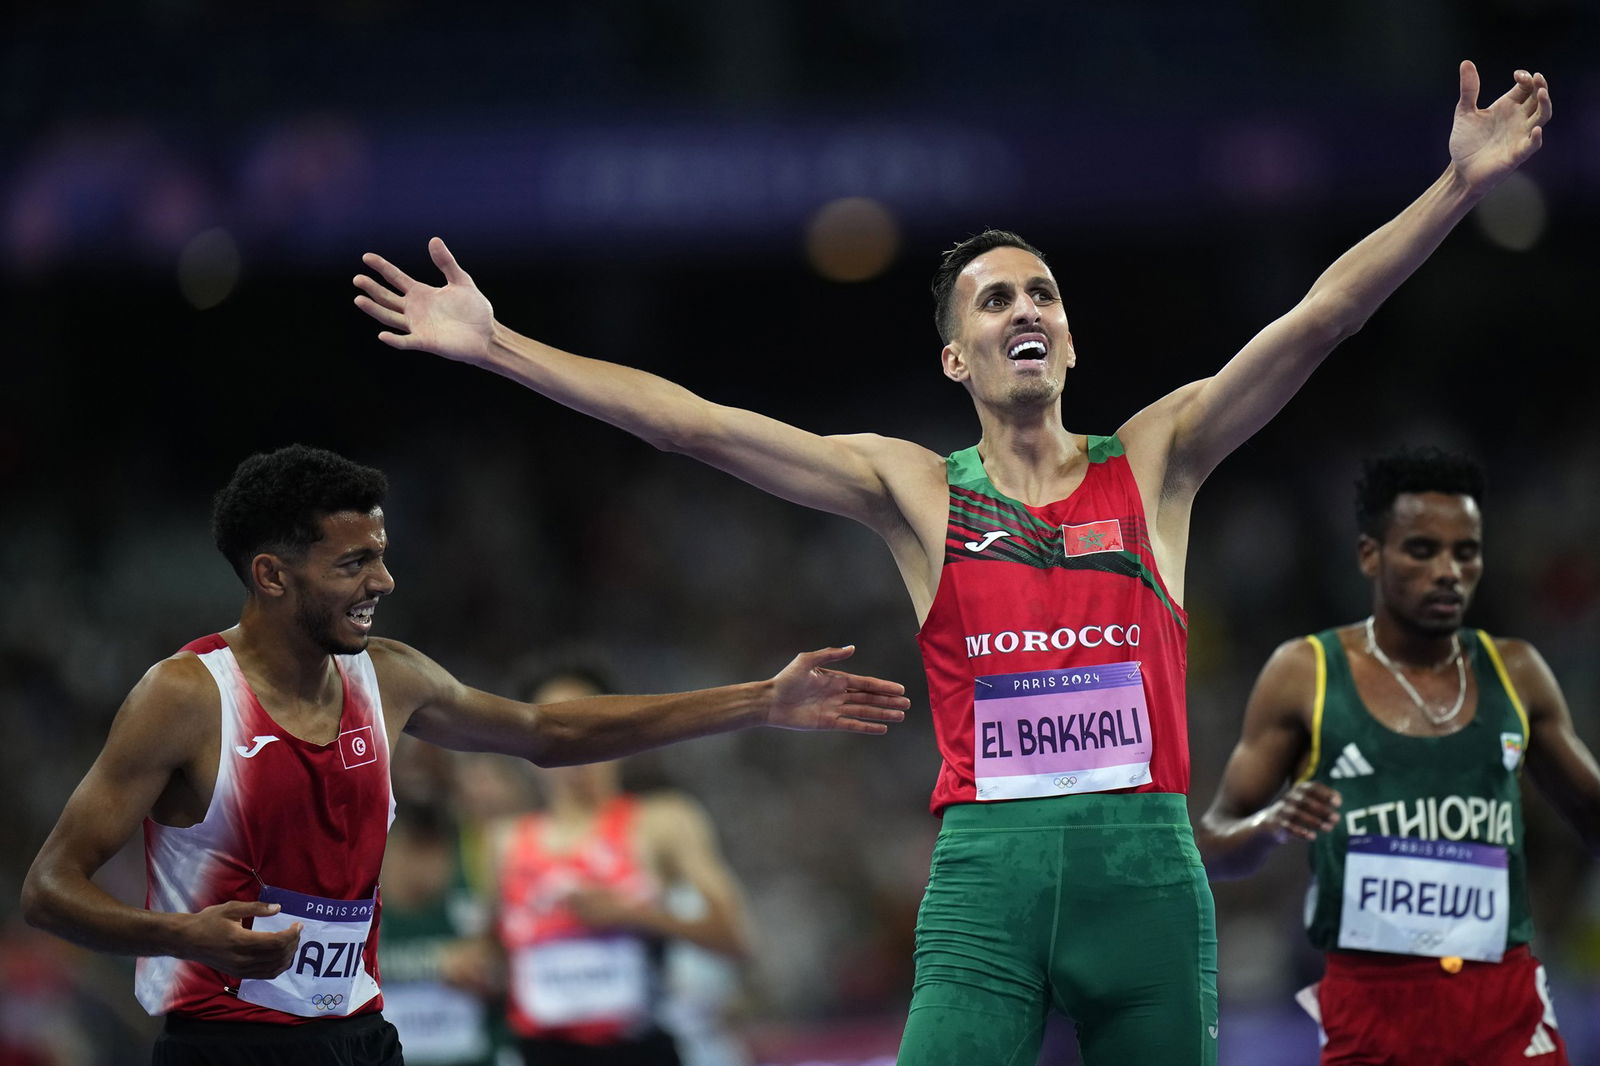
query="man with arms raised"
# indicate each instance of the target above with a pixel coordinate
(258, 761)
(1405, 737)
(1046, 568)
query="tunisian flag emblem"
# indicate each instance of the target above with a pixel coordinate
(1091, 537)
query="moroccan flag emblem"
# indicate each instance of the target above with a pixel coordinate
(1091, 537)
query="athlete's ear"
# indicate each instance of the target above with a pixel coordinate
(1072, 353)
(1367, 552)
(954, 362)
(267, 575)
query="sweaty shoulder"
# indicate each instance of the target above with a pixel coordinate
(171, 715)
(1529, 673)
(1288, 680)
(1516, 653)
(178, 687)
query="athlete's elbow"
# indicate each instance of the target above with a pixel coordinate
(38, 904)
(684, 436)
(1330, 317)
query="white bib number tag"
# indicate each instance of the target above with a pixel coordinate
(1055, 732)
(1425, 897)
(328, 977)
(436, 1022)
(573, 982)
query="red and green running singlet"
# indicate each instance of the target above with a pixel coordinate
(1055, 656)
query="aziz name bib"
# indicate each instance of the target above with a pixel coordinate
(1055, 732)
(328, 977)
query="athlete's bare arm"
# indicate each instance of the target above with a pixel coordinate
(432, 705)
(678, 838)
(881, 482)
(1252, 813)
(1559, 762)
(1176, 442)
(160, 759)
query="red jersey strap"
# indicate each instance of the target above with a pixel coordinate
(203, 645)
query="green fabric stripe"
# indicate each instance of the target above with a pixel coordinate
(1009, 517)
(1103, 448)
(964, 470)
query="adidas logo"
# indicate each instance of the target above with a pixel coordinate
(1541, 1044)
(1351, 763)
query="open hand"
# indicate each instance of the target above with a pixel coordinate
(1488, 144)
(455, 320)
(808, 696)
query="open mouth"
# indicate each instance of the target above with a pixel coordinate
(1028, 348)
(361, 615)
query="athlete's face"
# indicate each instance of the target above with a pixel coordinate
(1427, 566)
(337, 586)
(1012, 346)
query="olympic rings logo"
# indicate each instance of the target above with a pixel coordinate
(1066, 782)
(327, 1000)
(1427, 939)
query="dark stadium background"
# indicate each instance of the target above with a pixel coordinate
(186, 189)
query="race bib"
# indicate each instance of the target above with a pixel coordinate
(436, 1022)
(328, 977)
(579, 981)
(1425, 897)
(1055, 732)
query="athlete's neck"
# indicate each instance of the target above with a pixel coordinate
(1408, 647)
(1032, 460)
(284, 663)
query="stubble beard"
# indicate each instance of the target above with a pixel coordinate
(319, 624)
(1033, 392)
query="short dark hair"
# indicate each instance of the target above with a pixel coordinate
(1412, 470)
(955, 261)
(275, 502)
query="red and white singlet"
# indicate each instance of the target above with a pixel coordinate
(291, 822)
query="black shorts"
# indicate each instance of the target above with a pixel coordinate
(364, 1040)
(657, 1049)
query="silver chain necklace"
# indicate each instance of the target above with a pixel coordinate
(1455, 657)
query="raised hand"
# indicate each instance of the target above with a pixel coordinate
(217, 937)
(1307, 809)
(455, 320)
(808, 696)
(1488, 144)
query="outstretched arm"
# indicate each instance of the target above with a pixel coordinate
(1559, 762)
(1207, 421)
(153, 739)
(842, 475)
(1252, 813)
(806, 694)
